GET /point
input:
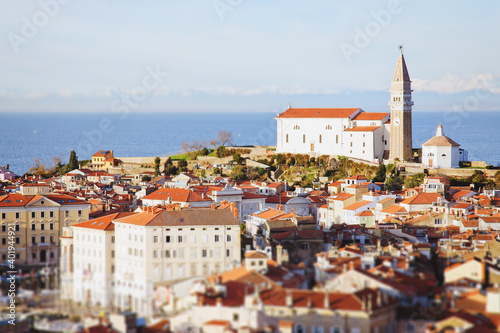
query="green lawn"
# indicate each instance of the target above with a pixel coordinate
(178, 157)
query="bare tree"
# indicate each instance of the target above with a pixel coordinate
(196, 146)
(39, 167)
(185, 146)
(214, 143)
(225, 137)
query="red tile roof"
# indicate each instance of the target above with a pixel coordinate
(422, 199)
(102, 223)
(176, 195)
(318, 113)
(362, 129)
(357, 205)
(371, 116)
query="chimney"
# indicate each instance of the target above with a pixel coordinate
(351, 265)
(327, 300)
(289, 298)
(344, 267)
(201, 299)
(212, 205)
(279, 255)
(218, 301)
(7, 167)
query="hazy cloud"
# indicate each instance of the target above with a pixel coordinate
(452, 84)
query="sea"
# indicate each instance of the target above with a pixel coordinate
(26, 136)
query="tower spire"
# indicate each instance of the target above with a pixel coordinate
(401, 104)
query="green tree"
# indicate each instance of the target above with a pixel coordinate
(205, 151)
(478, 177)
(380, 174)
(157, 166)
(217, 171)
(394, 183)
(170, 169)
(238, 173)
(237, 158)
(496, 178)
(219, 151)
(146, 178)
(280, 159)
(73, 161)
(182, 165)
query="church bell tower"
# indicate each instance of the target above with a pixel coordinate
(401, 104)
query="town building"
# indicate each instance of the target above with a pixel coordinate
(38, 222)
(160, 245)
(441, 152)
(352, 132)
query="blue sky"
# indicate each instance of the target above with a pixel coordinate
(242, 55)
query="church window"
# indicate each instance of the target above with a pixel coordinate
(430, 154)
(320, 138)
(328, 127)
(337, 138)
(296, 127)
(351, 144)
(303, 138)
(363, 144)
(287, 138)
(444, 155)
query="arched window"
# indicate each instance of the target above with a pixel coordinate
(296, 127)
(328, 127)
(430, 154)
(287, 138)
(444, 155)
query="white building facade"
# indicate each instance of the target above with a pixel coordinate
(441, 151)
(168, 245)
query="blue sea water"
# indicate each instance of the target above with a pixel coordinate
(24, 136)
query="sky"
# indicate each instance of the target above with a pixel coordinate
(245, 56)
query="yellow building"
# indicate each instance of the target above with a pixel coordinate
(103, 160)
(37, 223)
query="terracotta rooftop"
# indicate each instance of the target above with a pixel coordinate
(102, 223)
(371, 116)
(362, 129)
(318, 113)
(185, 217)
(441, 141)
(422, 199)
(176, 195)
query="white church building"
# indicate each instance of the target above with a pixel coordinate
(442, 152)
(352, 132)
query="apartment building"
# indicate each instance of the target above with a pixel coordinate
(37, 222)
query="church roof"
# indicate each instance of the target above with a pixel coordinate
(362, 129)
(319, 113)
(441, 141)
(371, 116)
(401, 73)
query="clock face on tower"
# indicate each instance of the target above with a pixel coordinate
(397, 121)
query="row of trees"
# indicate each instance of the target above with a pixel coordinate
(40, 168)
(223, 138)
